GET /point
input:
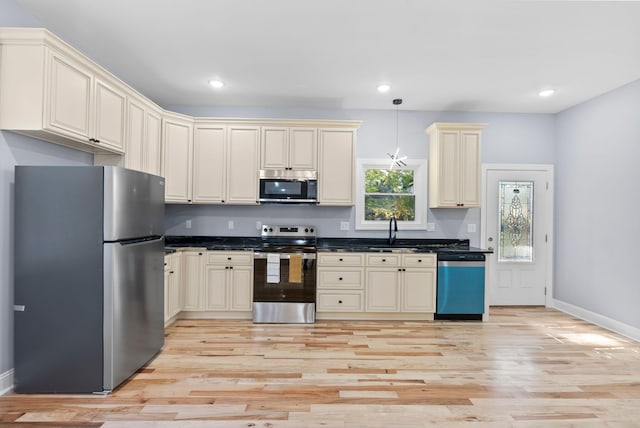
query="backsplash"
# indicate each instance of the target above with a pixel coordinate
(214, 220)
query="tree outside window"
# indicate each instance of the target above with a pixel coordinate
(389, 193)
(383, 193)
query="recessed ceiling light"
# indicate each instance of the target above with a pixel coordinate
(383, 88)
(546, 92)
(216, 84)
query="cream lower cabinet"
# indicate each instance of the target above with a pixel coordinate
(376, 286)
(192, 290)
(340, 283)
(401, 283)
(228, 281)
(172, 283)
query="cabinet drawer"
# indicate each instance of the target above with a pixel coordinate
(419, 260)
(340, 259)
(343, 278)
(329, 301)
(383, 259)
(229, 257)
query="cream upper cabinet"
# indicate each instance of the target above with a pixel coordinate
(454, 165)
(288, 148)
(50, 91)
(336, 166)
(209, 163)
(143, 138)
(242, 164)
(177, 135)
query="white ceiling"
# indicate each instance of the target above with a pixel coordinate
(454, 55)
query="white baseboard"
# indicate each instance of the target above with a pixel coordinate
(599, 320)
(6, 381)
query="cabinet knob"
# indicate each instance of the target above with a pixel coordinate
(222, 201)
(230, 267)
(419, 260)
(228, 258)
(399, 270)
(199, 254)
(340, 279)
(340, 260)
(226, 267)
(384, 260)
(170, 271)
(340, 301)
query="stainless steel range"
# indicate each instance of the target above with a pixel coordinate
(284, 286)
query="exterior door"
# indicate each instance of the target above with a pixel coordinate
(517, 225)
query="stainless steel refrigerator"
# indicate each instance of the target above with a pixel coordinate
(89, 292)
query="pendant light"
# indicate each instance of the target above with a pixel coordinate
(396, 160)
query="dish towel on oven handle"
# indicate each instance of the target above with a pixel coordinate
(295, 268)
(273, 268)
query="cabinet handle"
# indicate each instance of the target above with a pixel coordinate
(340, 301)
(399, 270)
(226, 267)
(340, 279)
(230, 267)
(166, 263)
(404, 270)
(384, 260)
(199, 254)
(419, 260)
(188, 200)
(340, 260)
(170, 271)
(228, 258)
(222, 201)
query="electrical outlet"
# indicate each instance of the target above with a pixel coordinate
(258, 225)
(187, 224)
(431, 227)
(471, 228)
(230, 224)
(344, 225)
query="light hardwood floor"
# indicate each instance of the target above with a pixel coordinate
(526, 367)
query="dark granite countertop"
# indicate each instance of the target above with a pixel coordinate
(251, 243)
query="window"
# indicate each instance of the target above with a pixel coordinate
(383, 193)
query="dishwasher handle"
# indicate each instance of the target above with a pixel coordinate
(464, 264)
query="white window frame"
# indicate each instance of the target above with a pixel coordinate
(419, 187)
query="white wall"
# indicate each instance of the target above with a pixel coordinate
(597, 204)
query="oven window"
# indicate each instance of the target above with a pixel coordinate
(275, 188)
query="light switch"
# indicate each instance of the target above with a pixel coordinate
(230, 224)
(187, 224)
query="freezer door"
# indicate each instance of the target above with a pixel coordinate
(133, 307)
(133, 204)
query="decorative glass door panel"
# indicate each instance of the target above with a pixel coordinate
(516, 221)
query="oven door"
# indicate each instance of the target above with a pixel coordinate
(284, 277)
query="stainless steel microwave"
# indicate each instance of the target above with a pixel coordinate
(288, 187)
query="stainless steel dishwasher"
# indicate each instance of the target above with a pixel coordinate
(460, 286)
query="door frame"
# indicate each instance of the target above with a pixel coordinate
(548, 169)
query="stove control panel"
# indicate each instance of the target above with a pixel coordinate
(291, 231)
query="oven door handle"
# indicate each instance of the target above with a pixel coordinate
(305, 256)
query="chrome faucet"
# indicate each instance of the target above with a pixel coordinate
(393, 229)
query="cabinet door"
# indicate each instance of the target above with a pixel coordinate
(192, 290)
(174, 294)
(418, 290)
(215, 279)
(449, 168)
(303, 148)
(241, 288)
(152, 150)
(274, 148)
(70, 93)
(209, 166)
(242, 165)
(177, 160)
(133, 158)
(167, 279)
(336, 166)
(470, 169)
(109, 119)
(382, 290)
